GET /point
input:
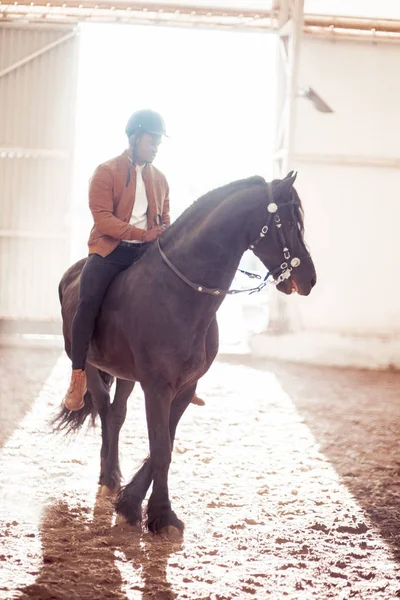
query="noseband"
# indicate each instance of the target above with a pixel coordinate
(274, 277)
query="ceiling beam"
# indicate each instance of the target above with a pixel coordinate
(188, 15)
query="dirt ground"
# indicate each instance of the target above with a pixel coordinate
(288, 481)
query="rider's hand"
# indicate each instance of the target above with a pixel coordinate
(152, 234)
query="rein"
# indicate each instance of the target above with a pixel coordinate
(202, 288)
(274, 277)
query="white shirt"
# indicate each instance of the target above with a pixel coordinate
(139, 212)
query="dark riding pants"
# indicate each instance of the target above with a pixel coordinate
(97, 275)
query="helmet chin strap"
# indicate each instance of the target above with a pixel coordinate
(133, 159)
(135, 141)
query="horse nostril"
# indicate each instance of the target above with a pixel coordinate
(313, 281)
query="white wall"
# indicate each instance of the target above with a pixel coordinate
(37, 106)
(352, 212)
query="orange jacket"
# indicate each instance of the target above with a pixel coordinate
(111, 202)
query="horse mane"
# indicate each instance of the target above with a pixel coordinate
(298, 206)
(197, 215)
(201, 208)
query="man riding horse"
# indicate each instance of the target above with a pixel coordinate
(129, 201)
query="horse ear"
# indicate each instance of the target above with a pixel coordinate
(285, 185)
(291, 175)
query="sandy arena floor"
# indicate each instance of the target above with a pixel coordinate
(288, 481)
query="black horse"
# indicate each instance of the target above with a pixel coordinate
(158, 323)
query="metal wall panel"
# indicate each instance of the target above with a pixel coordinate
(37, 107)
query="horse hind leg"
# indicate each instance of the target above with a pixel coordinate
(99, 385)
(116, 414)
(131, 496)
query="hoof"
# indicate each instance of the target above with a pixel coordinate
(171, 533)
(129, 507)
(122, 524)
(120, 520)
(158, 523)
(111, 480)
(106, 492)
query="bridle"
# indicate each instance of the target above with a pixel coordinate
(274, 277)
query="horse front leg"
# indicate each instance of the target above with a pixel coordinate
(130, 498)
(162, 420)
(159, 512)
(178, 407)
(158, 402)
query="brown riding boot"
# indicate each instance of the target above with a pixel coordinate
(76, 391)
(197, 400)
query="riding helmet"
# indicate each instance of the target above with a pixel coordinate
(148, 121)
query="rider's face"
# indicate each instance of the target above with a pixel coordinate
(146, 147)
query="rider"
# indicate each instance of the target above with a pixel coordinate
(129, 201)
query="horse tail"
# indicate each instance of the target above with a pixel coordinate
(66, 421)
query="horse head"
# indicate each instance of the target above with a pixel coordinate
(280, 243)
